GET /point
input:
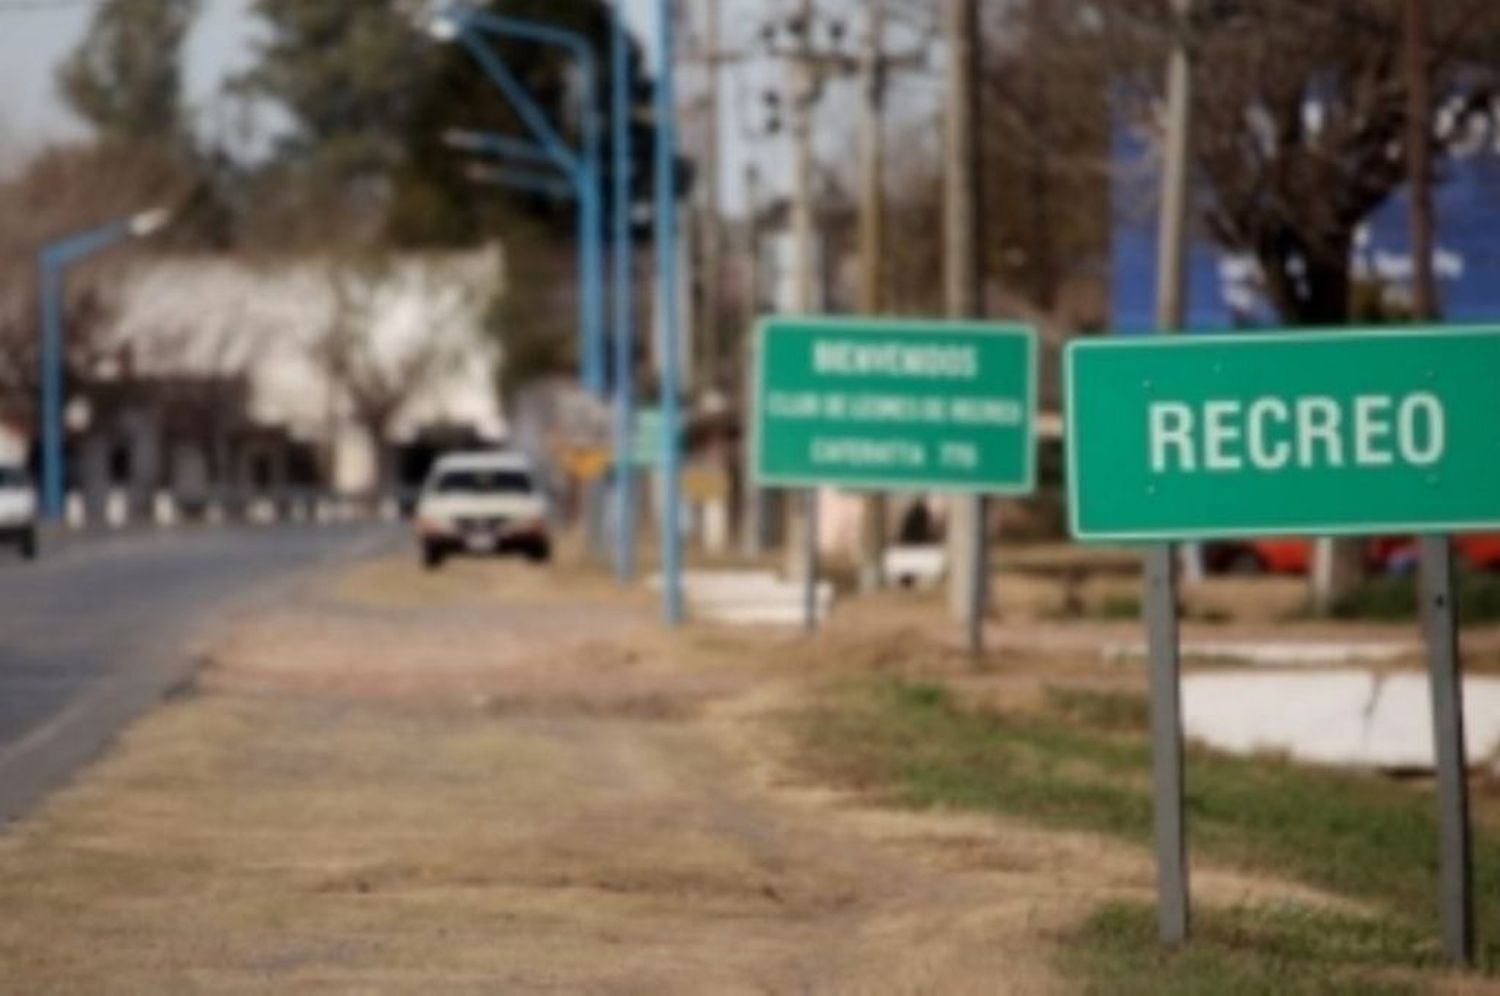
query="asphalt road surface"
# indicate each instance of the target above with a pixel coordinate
(99, 629)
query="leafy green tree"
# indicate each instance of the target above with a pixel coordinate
(125, 76)
(371, 95)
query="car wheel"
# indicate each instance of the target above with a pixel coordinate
(433, 556)
(540, 552)
(28, 544)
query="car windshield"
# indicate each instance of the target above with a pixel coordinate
(488, 482)
(12, 477)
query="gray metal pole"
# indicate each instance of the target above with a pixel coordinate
(1456, 856)
(804, 94)
(871, 256)
(753, 528)
(810, 560)
(963, 257)
(1166, 745)
(1438, 603)
(1161, 570)
(979, 577)
(713, 227)
(1419, 158)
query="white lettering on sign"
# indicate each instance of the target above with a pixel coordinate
(1266, 415)
(1171, 427)
(1225, 435)
(855, 452)
(1433, 430)
(1221, 436)
(987, 411)
(792, 404)
(1318, 424)
(851, 358)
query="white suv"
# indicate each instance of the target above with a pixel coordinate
(17, 509)
(483, 503)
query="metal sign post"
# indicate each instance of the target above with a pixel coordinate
(810, 561)
(979, 578)
(1439, 620)
(1166, 744)
(1176, 438)
(878, 405)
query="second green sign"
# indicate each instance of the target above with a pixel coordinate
(916, 406)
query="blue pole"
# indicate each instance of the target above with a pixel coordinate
(591, 208)
(50, 413)
(51, 262)
(666, 270)
(584, 171)
(624, 334)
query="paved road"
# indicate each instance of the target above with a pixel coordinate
(99, 629)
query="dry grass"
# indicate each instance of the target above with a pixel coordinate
(463, 782)
(497, 778)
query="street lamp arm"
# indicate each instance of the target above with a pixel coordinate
(526, 180)
(496, 144)
(543, 34)
(73, 248)
(53, 259)
(528, 110)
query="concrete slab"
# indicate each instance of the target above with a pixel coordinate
(747, 598)
(1272, 653)
(915, 566)
(1346, 717)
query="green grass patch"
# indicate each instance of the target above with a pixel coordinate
(1249, 951)
(1394, 599)
(1084, 764)
(1111, 609)
(1109, 711)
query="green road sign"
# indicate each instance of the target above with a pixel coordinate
(645, 437)
(1338, 432)
(863, 403)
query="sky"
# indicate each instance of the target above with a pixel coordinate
(36, 35)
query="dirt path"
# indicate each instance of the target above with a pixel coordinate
(483, 782)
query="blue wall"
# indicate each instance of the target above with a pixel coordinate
(1468, 209)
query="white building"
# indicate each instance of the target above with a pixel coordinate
(416, 320)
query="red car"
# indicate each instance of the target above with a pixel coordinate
(1383, 554)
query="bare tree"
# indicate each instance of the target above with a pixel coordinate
(1300, 122)
(381, 375)
(62, 190)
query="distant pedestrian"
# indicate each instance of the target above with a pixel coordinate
(916, 525)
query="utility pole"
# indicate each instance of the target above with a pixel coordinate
(804, 84)
(802, 536)
(712, 58)
(1424, 295)
(809, 68)
(873, 73)
(963, 258)
(1161, 564)
(753, 528)
(1444, 664)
